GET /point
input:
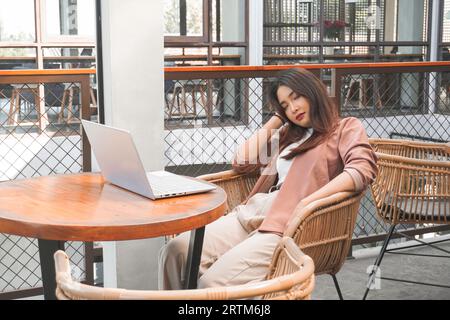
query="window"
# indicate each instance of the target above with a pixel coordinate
(64, 37)
(445, 25)
(205, 32)
(73, 18)
(17, 22)
(186, 20)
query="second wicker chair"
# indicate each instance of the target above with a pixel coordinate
(412, 187)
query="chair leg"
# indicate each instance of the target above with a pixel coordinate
(423, 243)
(362, 94)
(336, 284)
(14, 107)
(63, 103)
(70, 107)
(349, 92)
(378, 261)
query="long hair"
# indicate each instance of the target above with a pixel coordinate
(323, 111)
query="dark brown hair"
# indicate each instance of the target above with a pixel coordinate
(323, 111)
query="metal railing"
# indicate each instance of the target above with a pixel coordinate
(40, 134)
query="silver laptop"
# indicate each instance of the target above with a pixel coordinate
(120, 164)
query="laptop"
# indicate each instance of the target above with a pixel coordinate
(121, 165)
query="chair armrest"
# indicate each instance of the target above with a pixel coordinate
(301, 213)
(237, 185)
(413, 161)
(297, 283)
(221, 176)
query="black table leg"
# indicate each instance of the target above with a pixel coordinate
(193, 258)
(47, 249)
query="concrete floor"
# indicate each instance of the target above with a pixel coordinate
(353, 277)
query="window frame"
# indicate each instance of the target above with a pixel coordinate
(58, 38)
(192, 39)
(41, 42)
(208, 43)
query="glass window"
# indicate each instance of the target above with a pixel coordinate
(68, 58)
(351, 21)
(412, 20)
(183, 18)
(70, 18)
(446, 22)
(225, 56)
(291, 20)
(291, 55)
(17, 22)
(186, 57)
(403, 53)
(171, 17)
(228, 20)
(17, 52)
(17, 58)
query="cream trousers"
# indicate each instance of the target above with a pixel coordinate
(234, 252)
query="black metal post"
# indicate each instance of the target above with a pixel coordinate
(99, 47)
(193, 258)
(47, 249)
(183, 23)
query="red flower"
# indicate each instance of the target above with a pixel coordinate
(328, 24)
(332, 29)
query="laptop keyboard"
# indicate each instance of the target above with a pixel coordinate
(173, 184)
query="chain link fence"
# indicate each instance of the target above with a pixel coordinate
(40, 135)
(207, 115)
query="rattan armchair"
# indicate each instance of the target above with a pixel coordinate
(323, 230)
(291, 277)
(412, 187)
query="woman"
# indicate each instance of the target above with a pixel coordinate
(321, 154)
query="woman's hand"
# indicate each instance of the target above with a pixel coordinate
(279, 116)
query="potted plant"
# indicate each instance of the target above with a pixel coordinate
(332, 31)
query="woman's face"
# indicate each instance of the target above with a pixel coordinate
(296, 107)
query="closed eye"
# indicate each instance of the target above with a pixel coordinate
(296, 96)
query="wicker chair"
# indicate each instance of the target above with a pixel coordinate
(412, 187)
(323, 230)
(291, 277)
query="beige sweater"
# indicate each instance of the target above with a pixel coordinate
(347, 149)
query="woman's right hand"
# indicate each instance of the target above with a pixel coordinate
(279, 117)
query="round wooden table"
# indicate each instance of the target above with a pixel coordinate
(84, 207)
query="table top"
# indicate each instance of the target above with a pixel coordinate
(84, 207)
